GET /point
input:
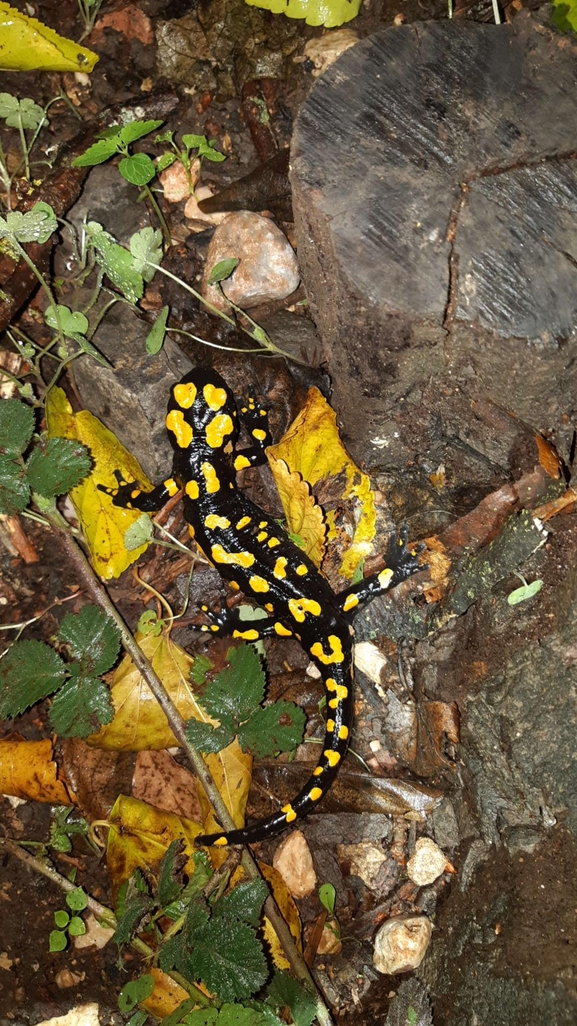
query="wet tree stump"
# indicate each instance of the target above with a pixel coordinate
(435, 196)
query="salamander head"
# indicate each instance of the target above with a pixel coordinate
(202, 409)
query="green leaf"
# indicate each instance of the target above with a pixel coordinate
(71, 323)
(16, 426)
(170, 881)
(202, 1017)
(116, 261)
(25, 112)
(138, 169)
(57, 940)
(58, 465)
(81, 707)
(138, 1019)
(208, 739)
(192, 141)
(61, 918)
(244, 902)
(164, 161)
(208, 152)
(278, 728)
(135, 991)
(200, 667)
(526, 591)
(237, 689)
(135, 908)
(77, 899)
(29, 672)
(8, 104)
(330, 13)
(223, 270)
(93, 639)
(286, 992)
(90, 350)
(146, 249)
(327, 896)
(36, 225)
(14, 488)
(77, 927)
(137, 129)
(228, 958)
(155, 337)
(139, 533)
(98, 153)
(565, 15)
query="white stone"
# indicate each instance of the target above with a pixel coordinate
(401, 944)
(268, 268)
(426, 863)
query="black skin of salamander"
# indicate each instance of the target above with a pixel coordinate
(258, 558)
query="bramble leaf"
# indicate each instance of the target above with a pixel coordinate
(277, 728)
(93, 639)
(81, 707)
(14, 488)
(29, 672)
(16, 426)
(57, 465)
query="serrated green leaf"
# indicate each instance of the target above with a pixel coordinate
(77, 899)
(77, 927)
(286, 992)
(81, 707)
(277, 728)
(29, 672)
(138, 169)
(98, 153)
(71, 322)
(57, 940)
(237, 689)
(146, 248)
(135, 908)
(244, 902)
(228, 957)
(58, 465)
(137, 129)
(240, 1015)
(61, 918)
(223, 270)
(208, 739)
(155, 337)
(170, 881)
(14, 488)
(36, 225)
(135, 991)
(93, 639)
(139, 533)
(202, 1017)
(116, 261)
(16, 426)
(199, 669)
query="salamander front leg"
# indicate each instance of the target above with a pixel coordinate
(402, 562)
(129, 494)
(255, 419)
(228, 622)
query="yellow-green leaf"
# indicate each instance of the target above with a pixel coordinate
(329, 13)
(28, 45)
(103, 524)
(139, 836)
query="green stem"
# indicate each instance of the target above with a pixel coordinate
(24, 149)
(152, 200)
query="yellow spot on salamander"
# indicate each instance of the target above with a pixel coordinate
(280, 569)
(243, 522)
(215, 397)
(318, 771)
(330, 726)
(259, 434)
(289, 813)
(241, 463)
(282, 631)
(219, 427)
(315, 793)
(273, 542)
(333, 758)
(262, 536)
(234, 585)
(219, 555)
(171, 486)
(343, 732)
(191, 530)
(191, 489)
(299, 607)
(221, 841)
(250, 635)
(269, 606)
(176, 424)
(135, 493)
(258, 583)
(385, 577)
(301, 570)
(213, 520)
(263, 523)
(336, 654)
(212, 482)
(350, 602)
(185, 395)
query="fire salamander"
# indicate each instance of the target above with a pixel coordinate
(255, 556)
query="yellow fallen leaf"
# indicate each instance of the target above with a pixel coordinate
(312, 448)
(28, 770)
(139, 723)
(329, 13)
(28, 45)
(304, 515)
(231, 770)
(290, 914)
(102, 523)
(139, 836)
(166, 996)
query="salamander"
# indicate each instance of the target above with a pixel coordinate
(257, 557)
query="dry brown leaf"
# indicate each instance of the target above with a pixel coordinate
(160, 781)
